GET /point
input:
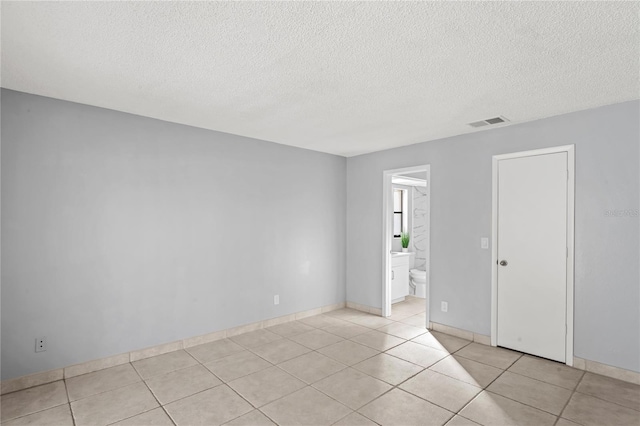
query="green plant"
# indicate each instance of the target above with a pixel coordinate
(404, 239)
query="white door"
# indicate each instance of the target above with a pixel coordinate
(532, 254)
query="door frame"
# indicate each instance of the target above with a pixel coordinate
(570, 150)
(387, 226)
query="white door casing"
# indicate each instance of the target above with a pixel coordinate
(532, 300)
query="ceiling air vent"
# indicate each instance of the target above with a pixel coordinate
(488, 121)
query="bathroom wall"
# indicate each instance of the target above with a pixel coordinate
(420, 221)
(121, 232)
(607, 246)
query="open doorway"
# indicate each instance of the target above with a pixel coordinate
(406, 243)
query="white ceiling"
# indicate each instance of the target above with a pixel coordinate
(340, 77)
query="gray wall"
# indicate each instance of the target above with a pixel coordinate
(607, 279)
(121, 232)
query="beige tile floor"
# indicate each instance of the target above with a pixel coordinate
(344, 368)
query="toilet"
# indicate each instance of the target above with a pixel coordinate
(418, 282)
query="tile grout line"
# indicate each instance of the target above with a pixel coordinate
(484, 389)
(66, 389)
(322, 328)
(153, 394)
(540, 380)
(251, 351)
(397, 385)
(575, 389)
(307, 385)
(344, 417)
(352, 366)
(449, 354)
(310, 385)
(602, 399)
(116, 388)
(272, 365)
(557, 416)
(385, 351)
(44, 409)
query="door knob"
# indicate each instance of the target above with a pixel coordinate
(503, 263)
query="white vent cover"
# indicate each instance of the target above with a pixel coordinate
(488, 121)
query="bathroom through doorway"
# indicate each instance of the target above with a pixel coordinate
(406, 243)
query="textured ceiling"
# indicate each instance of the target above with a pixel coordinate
(340, 77)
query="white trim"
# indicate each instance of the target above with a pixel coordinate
(387, 226)
(409, 181)
(570, 150)
(44, 377)
(607, 370)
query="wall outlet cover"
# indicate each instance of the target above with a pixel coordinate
(276, 299)
(444, 306)
(484, 243)
(41, 344)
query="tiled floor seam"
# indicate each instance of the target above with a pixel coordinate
(102, 392)
(337, 372)
(179, 399)
(417, 396)
(484, 389)
(263, 413)
(66, 389)
(490, 365)
(344, 417)
(524, 403)
(393, 386)
(606, 400)
(130, 417)
(568, 401)
(391, 389)
(157, 400)
(528, 405)
(378, 352)
(575, 391)
(402, 390)
(99, 393)
(38, 411)
(423, 370)
(386, 392)
(542, 381)
(311, 385)
(168, 416)
(469, 403)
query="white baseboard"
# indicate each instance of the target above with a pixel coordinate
(463, 334)
(607, 370)
(364, 308)
(41, 378)
(579, 363)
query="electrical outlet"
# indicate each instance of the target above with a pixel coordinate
(444, 306)
(484, 243)
(41, 344)
(276, 299)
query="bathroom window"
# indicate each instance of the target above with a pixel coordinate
(399, 212)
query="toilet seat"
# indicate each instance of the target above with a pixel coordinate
(419, 274)
(418, 282)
